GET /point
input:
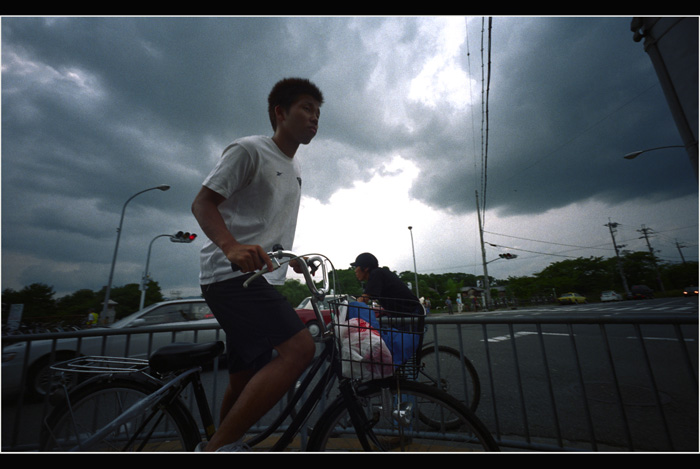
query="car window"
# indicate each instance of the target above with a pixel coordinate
(167, 314)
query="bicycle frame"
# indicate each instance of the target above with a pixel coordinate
(174, 386)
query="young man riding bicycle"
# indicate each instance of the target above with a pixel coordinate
(248, 204)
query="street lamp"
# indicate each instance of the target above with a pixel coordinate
(162, 187)
(634, 154)
(415, 271)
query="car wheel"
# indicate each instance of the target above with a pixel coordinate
(40, 376)
(314, 329)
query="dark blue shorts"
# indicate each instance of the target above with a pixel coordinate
(255, 319)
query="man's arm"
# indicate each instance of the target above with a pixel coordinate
(205, 209)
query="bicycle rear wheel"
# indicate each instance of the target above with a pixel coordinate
(167, 426)
(393, 409)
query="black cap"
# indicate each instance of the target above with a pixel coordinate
(365, 260)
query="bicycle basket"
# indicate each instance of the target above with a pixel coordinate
(379, 340)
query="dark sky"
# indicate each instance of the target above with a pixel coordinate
(95, 110)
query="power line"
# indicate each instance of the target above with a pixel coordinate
(547, 242)
(532, 252)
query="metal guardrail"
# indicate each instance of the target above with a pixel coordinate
(548, 383)
(596, 383)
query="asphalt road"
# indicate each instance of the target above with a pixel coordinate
(573, 385)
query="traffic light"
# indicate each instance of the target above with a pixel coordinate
(508, 256)
(183, 237)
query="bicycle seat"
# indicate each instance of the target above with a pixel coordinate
(180, 355)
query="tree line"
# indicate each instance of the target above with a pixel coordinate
(587, 276)
(40, 306)
(593, 275)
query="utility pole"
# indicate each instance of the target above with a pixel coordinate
(645, 234)
(415, 271)
(678, 246)
(487, 287)
(612, 226)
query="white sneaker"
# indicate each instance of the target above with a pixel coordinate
(234, 447)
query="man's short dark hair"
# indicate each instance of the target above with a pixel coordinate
(286, 92)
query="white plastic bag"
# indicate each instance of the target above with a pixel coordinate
(364, 354)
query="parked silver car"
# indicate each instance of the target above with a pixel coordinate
(610, 296)
(109, 340)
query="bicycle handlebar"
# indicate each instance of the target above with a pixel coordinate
(310, 264)
(309, 267)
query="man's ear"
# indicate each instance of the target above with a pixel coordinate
(280, 113)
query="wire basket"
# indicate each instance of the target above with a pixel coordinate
(97, 364)
(378, 340)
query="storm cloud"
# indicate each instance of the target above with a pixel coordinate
(95, 110)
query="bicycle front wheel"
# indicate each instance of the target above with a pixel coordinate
(167, 426)
(392, 417)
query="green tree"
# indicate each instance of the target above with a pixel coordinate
(679, 276)
(582, 275)
(639, 269)
(345, 282)
(79, 303)
(294, 291)
(37, 299)
(525, 287)
(128, 298)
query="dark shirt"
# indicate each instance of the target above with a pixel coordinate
(390, 291)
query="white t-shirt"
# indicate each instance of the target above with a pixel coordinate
(262, 187)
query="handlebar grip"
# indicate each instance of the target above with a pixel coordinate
(236, 268)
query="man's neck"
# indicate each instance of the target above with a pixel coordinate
(285, 146)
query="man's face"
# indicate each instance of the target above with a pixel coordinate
(362, 274)
(301, 122)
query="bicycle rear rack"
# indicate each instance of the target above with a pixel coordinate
(98, 364)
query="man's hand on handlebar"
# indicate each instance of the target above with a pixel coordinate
(299, 268)
(296, 265)
(249, 257)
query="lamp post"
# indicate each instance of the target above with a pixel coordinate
(415, 271)
(162, 187)
(692, 154)
(634, 154)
